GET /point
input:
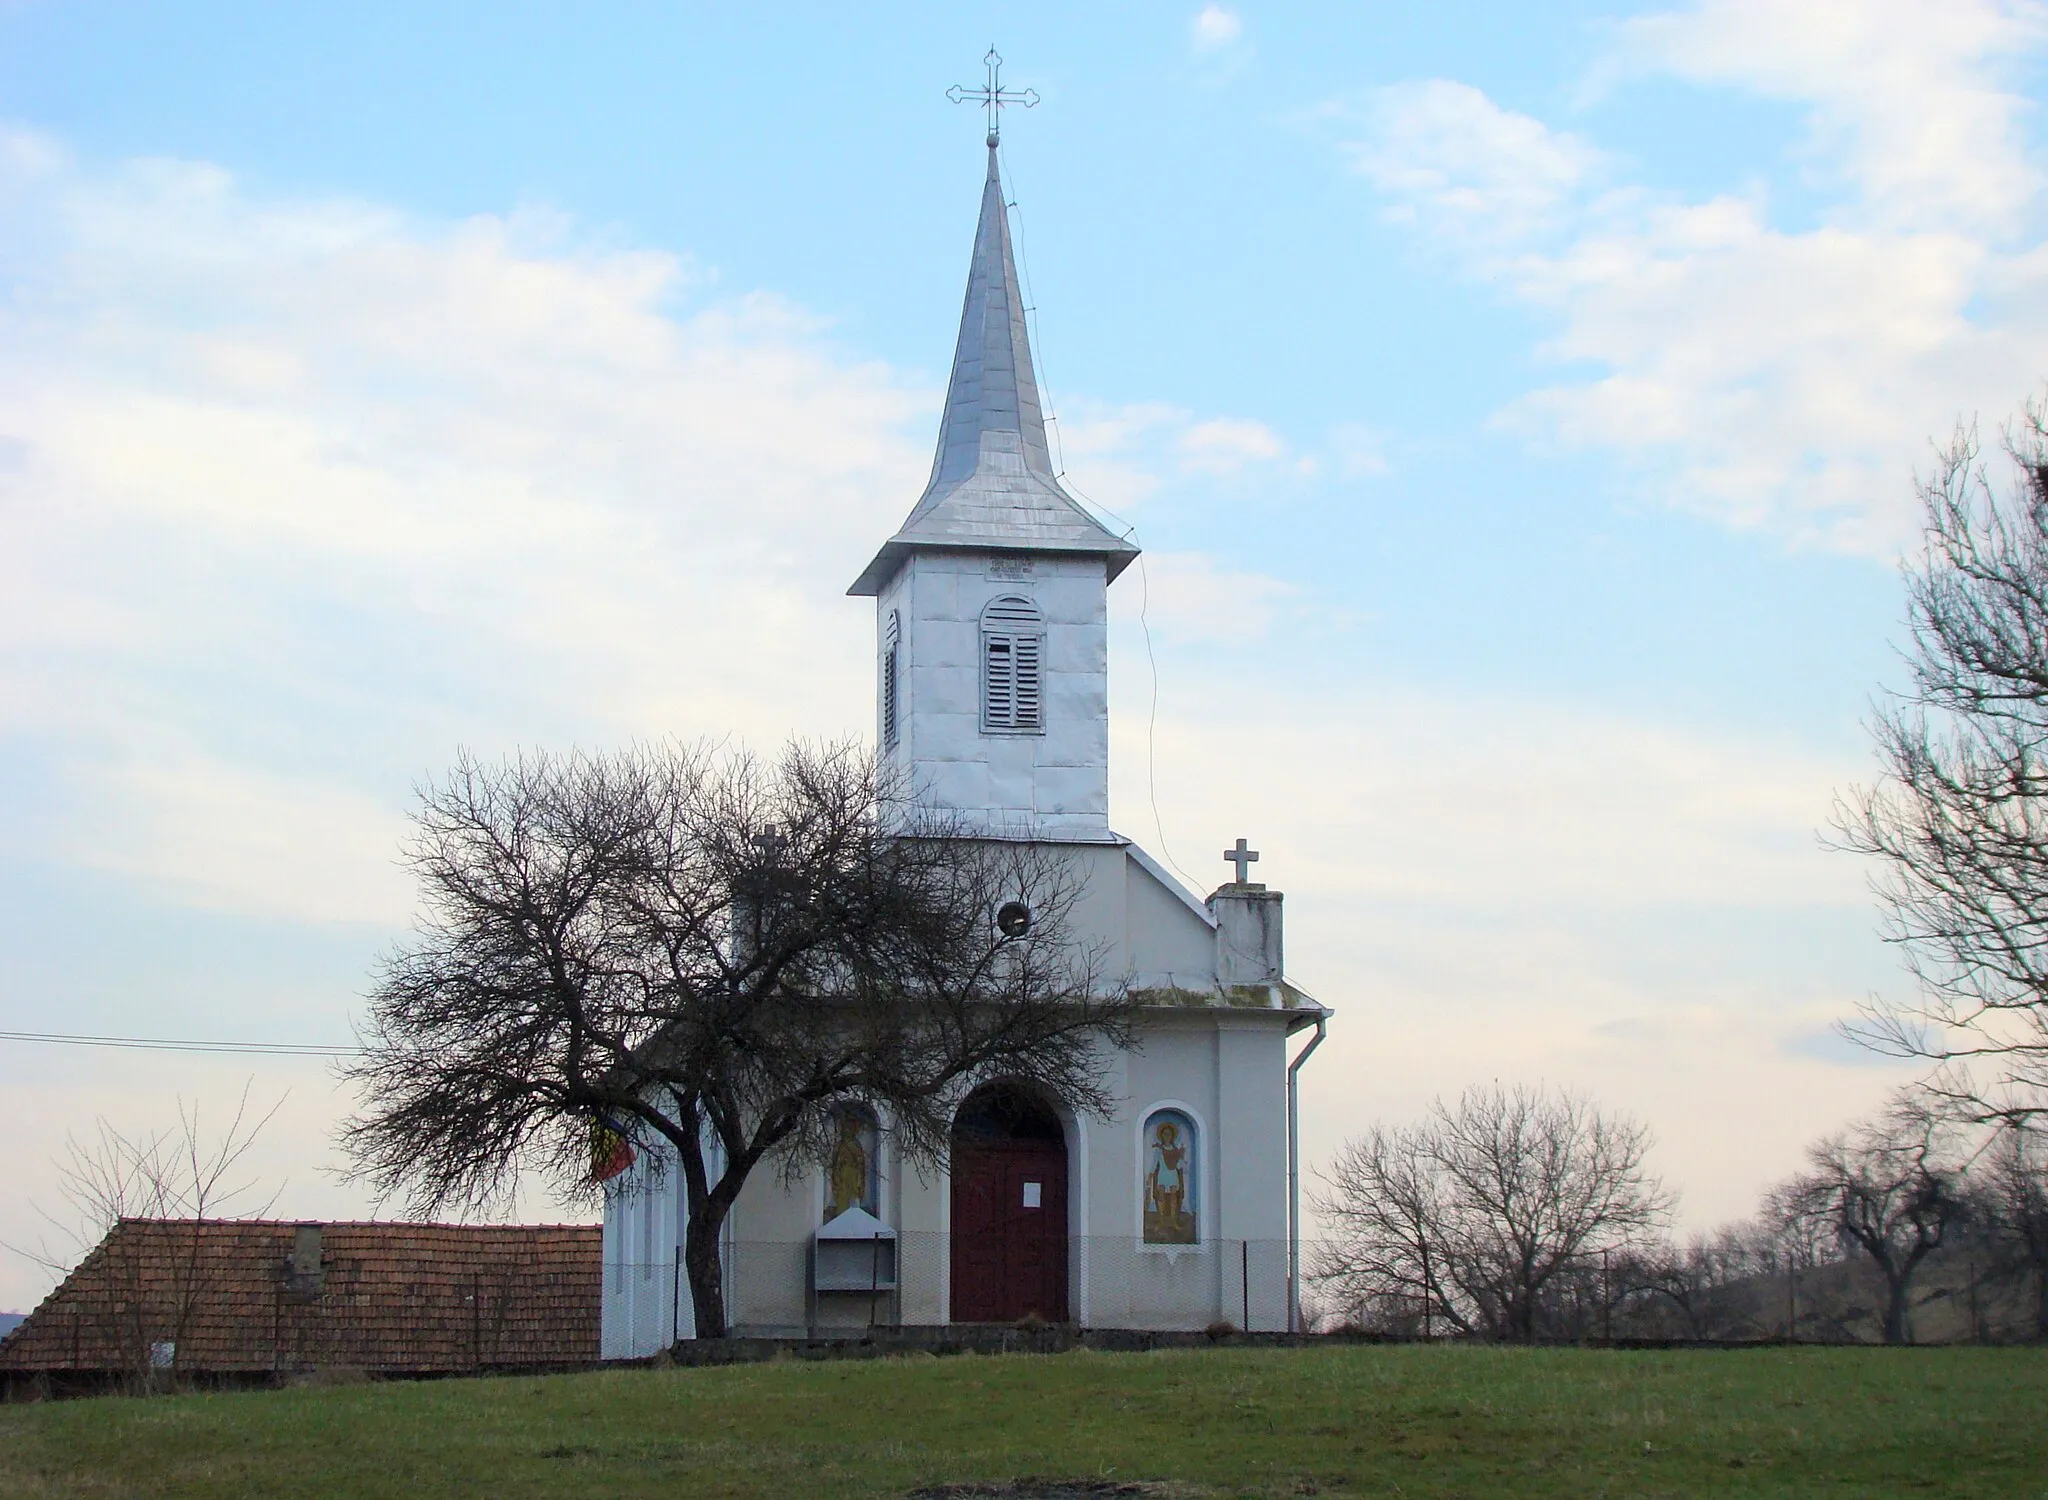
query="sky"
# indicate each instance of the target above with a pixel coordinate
(1519, 408)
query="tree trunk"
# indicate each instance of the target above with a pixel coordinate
(708, 1204)
(706, 1273)
(1895, 1290)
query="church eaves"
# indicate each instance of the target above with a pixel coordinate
(992, 486)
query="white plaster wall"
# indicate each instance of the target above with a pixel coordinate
(1149, 930)
(924, 1207)
(1227, 1069)
(1100, 918)
(1056, 781)
(768, 1246)
(768, 1237)
(638, 1310)
(1170, 940)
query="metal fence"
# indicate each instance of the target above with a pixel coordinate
(1959, 1295)
(515, 1312)
(925, 1280)
(783, 1288)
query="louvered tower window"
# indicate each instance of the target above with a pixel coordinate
(1012, 667)
(892, 639)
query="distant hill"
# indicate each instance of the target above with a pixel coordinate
(9, 1322)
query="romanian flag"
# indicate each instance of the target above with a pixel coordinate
(610, 1152)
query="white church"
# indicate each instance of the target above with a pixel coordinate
(1179, 1211)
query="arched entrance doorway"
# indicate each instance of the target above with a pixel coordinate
(1009, 1170)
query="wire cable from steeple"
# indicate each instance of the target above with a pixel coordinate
(177, 1044)
(1152, 726)
(1052, 420)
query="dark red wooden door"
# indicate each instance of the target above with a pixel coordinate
(1009, 1231)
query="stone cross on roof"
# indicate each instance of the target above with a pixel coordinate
(993, 95)
(1243, 857)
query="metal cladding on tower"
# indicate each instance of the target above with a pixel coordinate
(992, 484)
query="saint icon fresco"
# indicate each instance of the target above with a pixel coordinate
(1170, 1180)
(850, 1178)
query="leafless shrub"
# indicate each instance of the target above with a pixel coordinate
(1887, 1189)
(181, 1178)
(2013, 1183)
(1475, 1221)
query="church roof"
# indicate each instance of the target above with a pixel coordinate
(992, 484)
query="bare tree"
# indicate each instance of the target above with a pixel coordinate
(1479, 1212)
(1723, 1285)
(1885, 1189)
(168, 1185)
(1959, 820)
(2013, 1185)
(701, 952)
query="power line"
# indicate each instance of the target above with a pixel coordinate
(175, 1044)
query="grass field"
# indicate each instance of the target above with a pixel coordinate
(1398, 1420)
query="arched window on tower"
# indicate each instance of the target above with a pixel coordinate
(1012, 670)
(892, 641)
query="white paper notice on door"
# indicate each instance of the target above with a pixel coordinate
(1031, 1192)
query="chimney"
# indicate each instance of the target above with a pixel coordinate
(305, 1266)
(1247, 934)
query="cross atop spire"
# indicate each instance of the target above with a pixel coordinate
(993, 96)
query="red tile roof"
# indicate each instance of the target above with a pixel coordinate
(385, 1298)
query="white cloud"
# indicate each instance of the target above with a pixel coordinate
(1122, 456)
(1190, 598)
(299, 496)
(1786, 378)
(1227, 444)
(245, 838)
(1518, 805)
(1215, 27)
(1455, 164)
(1905, 95)
(1497, 886)
(1361, 451)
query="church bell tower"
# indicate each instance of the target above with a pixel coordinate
(991, 601)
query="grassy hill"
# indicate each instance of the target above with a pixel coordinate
(1392, 1420)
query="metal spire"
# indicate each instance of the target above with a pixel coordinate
(992, 485)
(993, 96)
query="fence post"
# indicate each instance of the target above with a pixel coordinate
(1976, 1316)
(1428, 1295)
(1244, 1277)
(675, 1302)
(1606, 1301)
